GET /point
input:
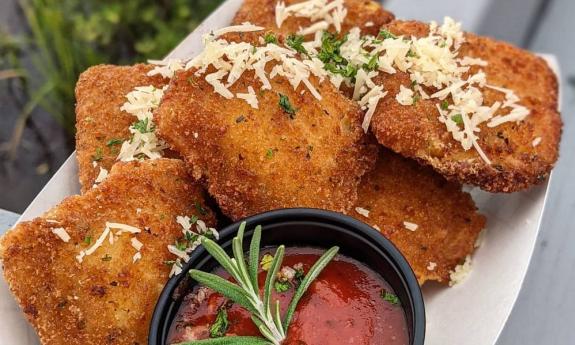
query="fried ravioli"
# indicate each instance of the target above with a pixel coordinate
(522, 154)
(365, 14)
(101, 125)
(399, 190)
(106, 299)
(292, 151)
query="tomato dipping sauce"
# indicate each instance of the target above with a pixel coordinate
(348, 303)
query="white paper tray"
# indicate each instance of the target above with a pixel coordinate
(472, 313)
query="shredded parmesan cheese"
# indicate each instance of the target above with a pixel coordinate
(142, 101)
(136, 257)
(536, 141)
(410, 226)
(166, 68)
(431, 266)
(62, 234)
(324, 11)
(101, 175)
(362, 211)
(136, 244)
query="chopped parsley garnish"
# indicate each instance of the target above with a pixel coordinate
(181, 246)
(282, 286)
(270, 38)
(266, 262)
(331, 57)
(88, 239)
(389, 297)
(220, 326)
(458, 119)
(107, 258)
(296, 43)
(372, 64)
(142, 126)
(286, 106)
(98, 155)
(444, 105)
(240, 119)
(270, 153)
(113, 142)
(200, 209)
(416, 98)
(411, 53)
(386, 34)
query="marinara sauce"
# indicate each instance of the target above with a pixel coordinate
(348, 303)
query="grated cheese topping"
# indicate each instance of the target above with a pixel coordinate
(108, 234)
(410, 226)
(323, 11)
(166, 68)
(536, 142)
(62, 234)
(431, 266)
(249, 97)
(362, 211)
(136, 244)
(101, 176)
(144, 143)
(191, 239)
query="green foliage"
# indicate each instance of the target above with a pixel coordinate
(65, 37)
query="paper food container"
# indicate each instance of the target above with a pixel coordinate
(472, 313)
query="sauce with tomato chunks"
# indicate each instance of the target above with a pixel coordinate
(347, 304)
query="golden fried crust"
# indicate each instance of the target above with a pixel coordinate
(100, 92)
(360, 13)
(100, 301)
(414, 131)
(257, 160)
(399, 190)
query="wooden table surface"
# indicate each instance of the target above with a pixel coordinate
(545, 310)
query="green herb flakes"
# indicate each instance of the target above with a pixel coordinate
(200, 209)
(458, 119)
(270, 37)
(98, 155)
(444, 105)
(88, 240)
(107, 258)
(296, 43)
(389, 297)
(287, 106)
(270, 153)
(385, 34)
(113, 142)
(142, 126)
(220, 326)
(282, 286)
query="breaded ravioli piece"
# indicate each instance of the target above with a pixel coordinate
(101, 126)
(447, 223)
(291, 151)
(108, 298)
(521, 153)
(368, 15)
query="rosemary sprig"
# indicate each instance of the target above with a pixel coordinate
(247, 291)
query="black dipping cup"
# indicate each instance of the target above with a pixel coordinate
(303, 227)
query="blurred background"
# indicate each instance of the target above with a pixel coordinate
(45, 44)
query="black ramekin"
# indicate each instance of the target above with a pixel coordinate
(305, 228)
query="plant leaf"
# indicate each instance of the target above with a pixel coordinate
(220, 255)
(235, 340)
(255, 257)
(271, 277)
(264, 330)
(306, 282)
(238, 249)
(278, 319)
(224, 287)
